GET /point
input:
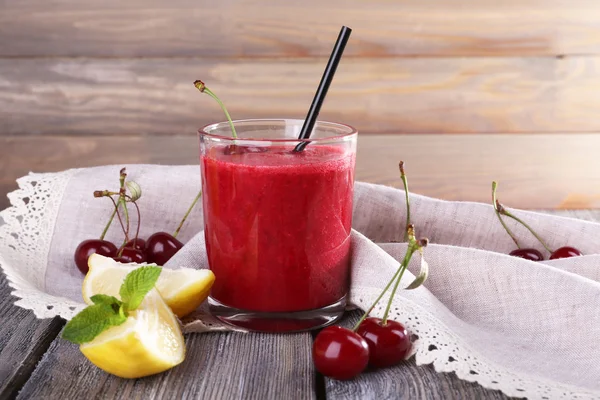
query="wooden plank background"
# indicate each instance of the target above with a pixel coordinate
(249, 28)
(485, 89)
(435, 163)
(390, 95)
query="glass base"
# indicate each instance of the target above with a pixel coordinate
(278, 321)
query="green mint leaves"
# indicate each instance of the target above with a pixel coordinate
(91, 322)
(136, 286)
(109, 311)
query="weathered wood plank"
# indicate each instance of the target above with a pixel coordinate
(405, 381)
(217, 366)
(292, 29)
(534, 171)
(437, 95)
(23, 341)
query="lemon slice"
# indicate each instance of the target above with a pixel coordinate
(182, 289)
(149, 342)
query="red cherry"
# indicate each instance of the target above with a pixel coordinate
(340, 353)
(389, 344)
(138, 244)
(160, 247)
(565, 252)
(89, 247)
(528, 254)
(129, 255)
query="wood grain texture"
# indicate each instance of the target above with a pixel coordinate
(438, 95)
(217, 366)
(295, 29)
(406, 381)
(534, 171)
(23, 341)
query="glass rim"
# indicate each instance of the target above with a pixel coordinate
(342, 137)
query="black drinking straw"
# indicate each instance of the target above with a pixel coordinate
(315, 107)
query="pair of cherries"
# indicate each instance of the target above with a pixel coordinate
(342, 354)
(529, 253)
(157, 249)
(536, 255)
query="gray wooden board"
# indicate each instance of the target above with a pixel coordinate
(218, 365)
(23, 341)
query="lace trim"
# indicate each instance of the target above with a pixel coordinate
(434, 343)
(25, 239)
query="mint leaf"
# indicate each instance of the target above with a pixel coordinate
(105, 299)
(137, 284)
(92, 321)
(109, 311)
(116, 304)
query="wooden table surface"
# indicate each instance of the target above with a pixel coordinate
(35, 363)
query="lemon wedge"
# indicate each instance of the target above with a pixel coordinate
(182, 289)
(148, 342)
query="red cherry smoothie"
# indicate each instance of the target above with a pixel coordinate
(277, 226)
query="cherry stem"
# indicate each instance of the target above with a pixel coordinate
(413, 245)
(203, 89)
(409, 236)
(118, 215)
(106, 193)
(405, 183)
(504, 211)
(112, 216)
(367, 312)
(123, 200)
(139, 215)
(496, 209)
(187, 213)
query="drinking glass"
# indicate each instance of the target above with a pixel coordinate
(277, 222)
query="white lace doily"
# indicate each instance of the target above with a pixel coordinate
(25, 239)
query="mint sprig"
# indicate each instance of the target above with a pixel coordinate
(108, 311)
(136, 286)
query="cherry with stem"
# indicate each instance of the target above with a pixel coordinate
(203, 89)
(342, 353)
(526, 253)
(234, 148)
(100, 246)
(161, 246)
(561, 252)
(136, 242)
(388, 340)
(129, 251)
